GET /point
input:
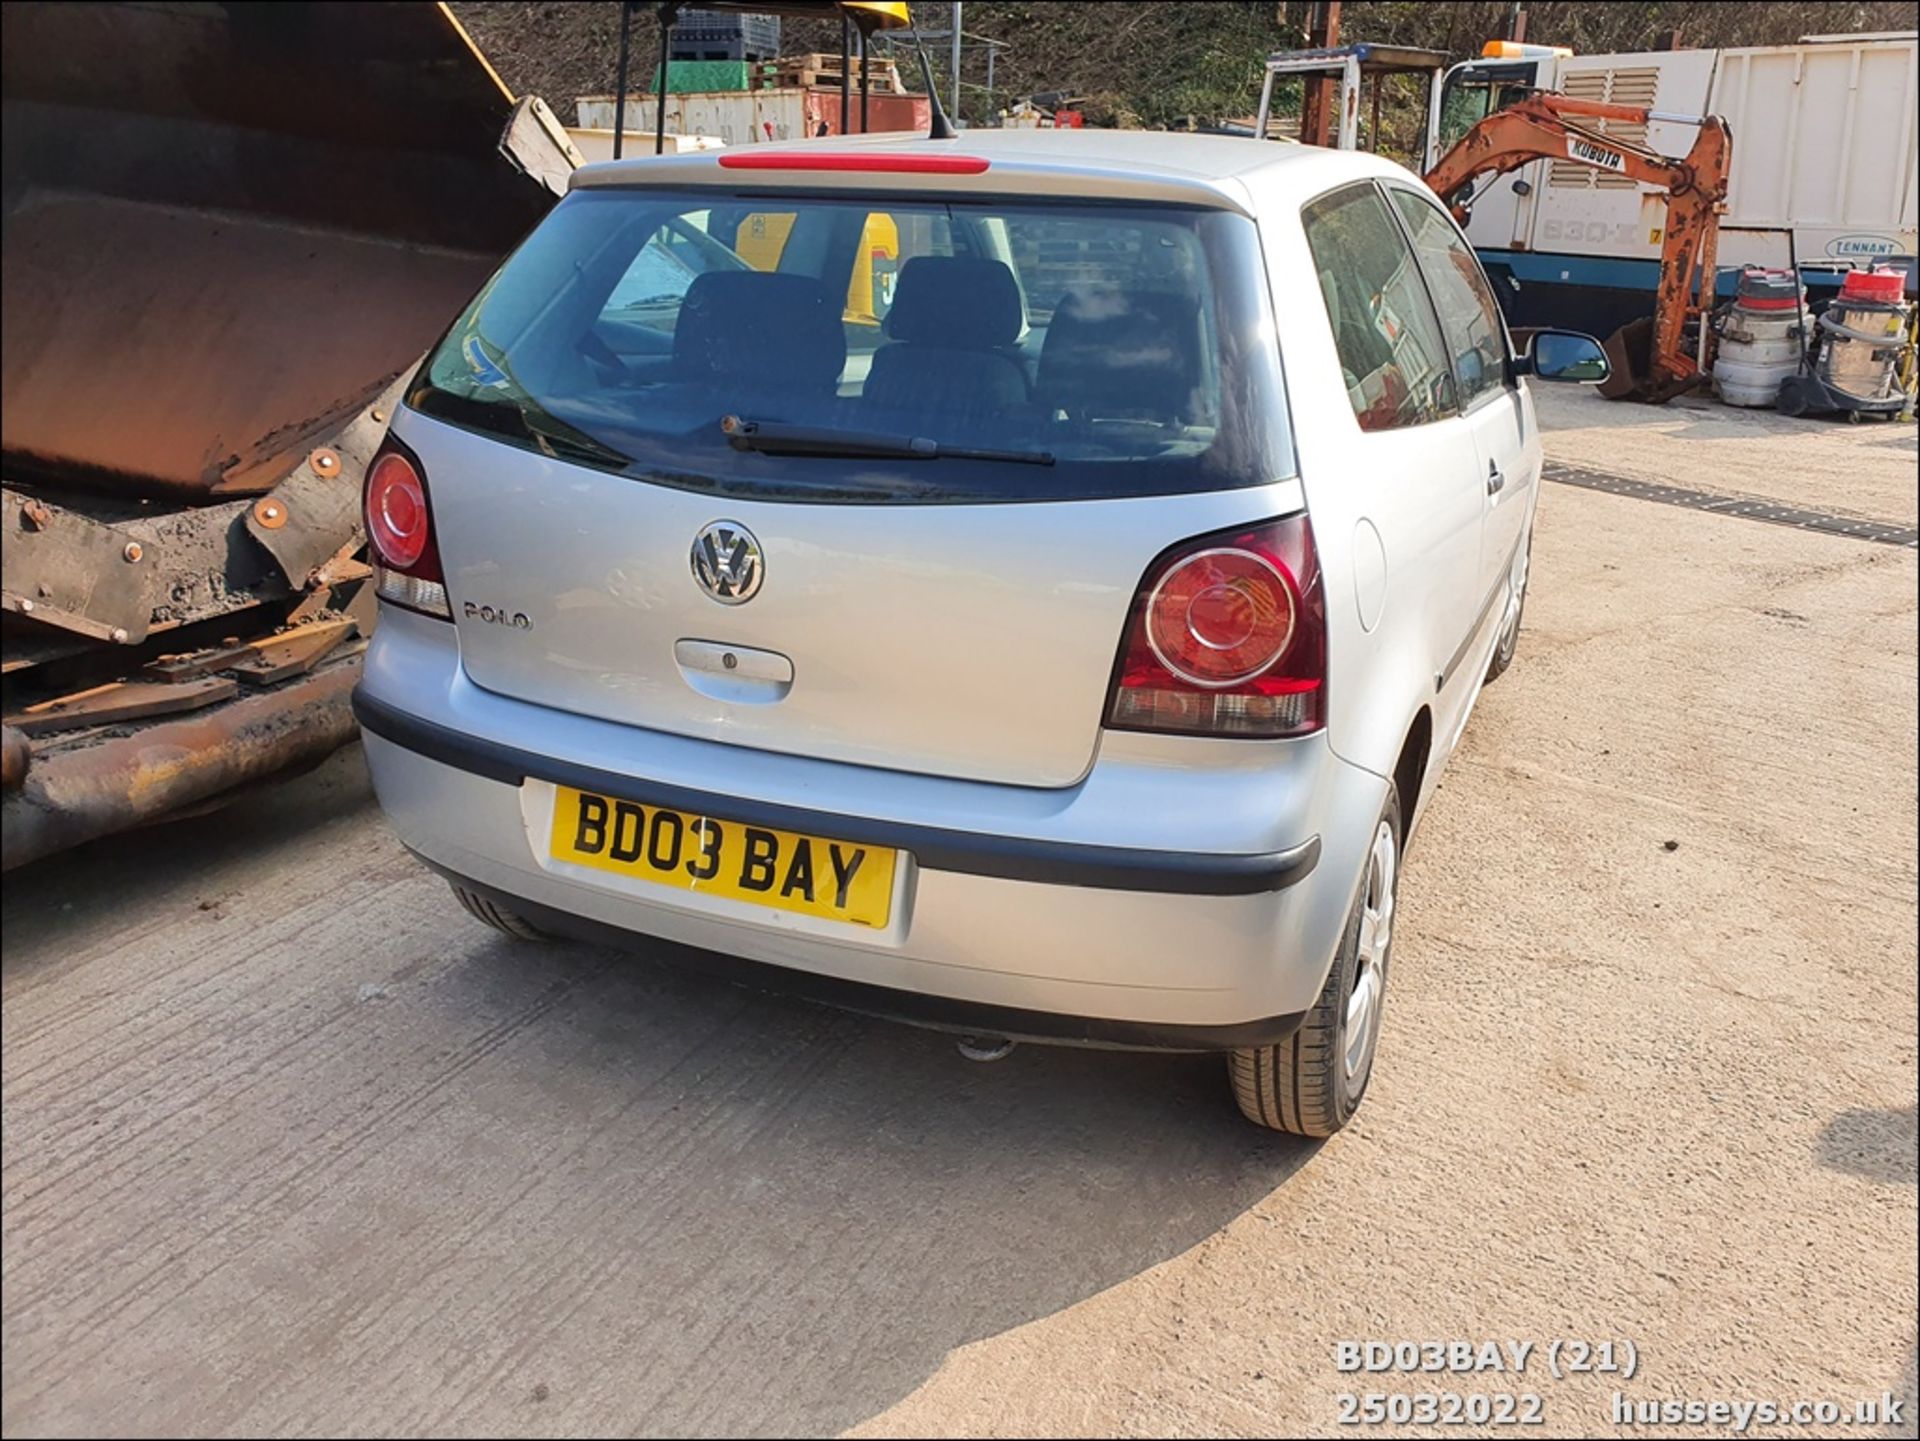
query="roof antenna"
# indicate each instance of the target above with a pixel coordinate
(937, 127)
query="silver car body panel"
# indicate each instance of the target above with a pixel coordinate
(1198, 960)
(965, 640)
(1401, 517)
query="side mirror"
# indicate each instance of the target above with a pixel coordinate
(1562, 355)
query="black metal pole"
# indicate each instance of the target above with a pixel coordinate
(667, 14)
(620, 93)
(866, 77)
(846, 72)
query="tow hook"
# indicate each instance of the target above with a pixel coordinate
(984, 1048)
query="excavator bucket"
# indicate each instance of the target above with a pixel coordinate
(230, 226)
(1637, 373)
(1630, 354)
(229, 231)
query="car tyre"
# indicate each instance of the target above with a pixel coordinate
(1510, 631)
(498, 916)
(1312, 1083)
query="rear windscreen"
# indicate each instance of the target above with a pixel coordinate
(1016, 351)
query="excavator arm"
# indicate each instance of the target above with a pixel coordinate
(1652, 367)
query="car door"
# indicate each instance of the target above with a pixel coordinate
(1491, 398)
(1401, 497)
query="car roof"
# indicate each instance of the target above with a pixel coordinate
(1218, 171)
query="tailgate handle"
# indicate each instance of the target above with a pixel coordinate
(734, 672)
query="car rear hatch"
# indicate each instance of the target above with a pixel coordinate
(869, 485)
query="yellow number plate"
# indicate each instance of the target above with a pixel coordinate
(834, 879)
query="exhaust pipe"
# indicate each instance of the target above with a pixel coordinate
(985, 1048)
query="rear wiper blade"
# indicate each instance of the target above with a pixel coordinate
(777, 438)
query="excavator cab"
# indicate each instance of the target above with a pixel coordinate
(1470, 93)
(1503, 73)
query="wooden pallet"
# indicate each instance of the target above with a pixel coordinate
(824, 70)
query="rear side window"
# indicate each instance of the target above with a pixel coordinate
(1391, 351)
(1469, 316)
(1088, 350)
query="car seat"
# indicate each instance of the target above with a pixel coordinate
(759, 334)
(949, 331)
(1114, 354)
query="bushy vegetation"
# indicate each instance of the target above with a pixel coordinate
(1158, 62)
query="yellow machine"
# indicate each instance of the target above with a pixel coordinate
(763, 236)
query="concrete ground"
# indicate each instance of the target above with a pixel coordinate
(292, 1145)
(1863, 470)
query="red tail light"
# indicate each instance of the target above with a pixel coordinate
(399, 519)
(1227, 637)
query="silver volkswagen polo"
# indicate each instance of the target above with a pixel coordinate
(1026, 585)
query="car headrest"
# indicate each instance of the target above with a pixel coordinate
(955, 302)
(1120, 353)
(759, 327)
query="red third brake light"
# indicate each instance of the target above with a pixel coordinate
(399, 520)
(880, 162)
(1227, 637)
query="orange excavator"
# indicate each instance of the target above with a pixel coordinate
(1649, 358)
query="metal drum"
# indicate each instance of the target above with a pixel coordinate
(1860, 335)
(1760, 338)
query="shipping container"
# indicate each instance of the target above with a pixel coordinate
(598, 144)
(757, 116)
